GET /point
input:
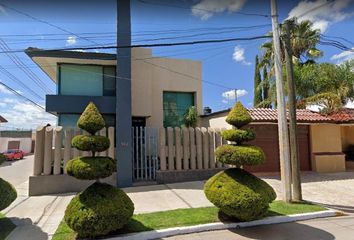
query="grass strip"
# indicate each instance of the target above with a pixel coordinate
(187, 217)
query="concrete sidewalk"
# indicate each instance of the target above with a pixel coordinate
(38, 217)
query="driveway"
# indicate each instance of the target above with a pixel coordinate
(334, 190)
(17, 172)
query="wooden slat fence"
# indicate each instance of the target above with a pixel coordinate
(165, 149)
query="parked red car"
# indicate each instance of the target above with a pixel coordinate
(13, 154)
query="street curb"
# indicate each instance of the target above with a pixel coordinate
(156, 234)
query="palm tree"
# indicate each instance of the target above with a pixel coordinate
(303, 40)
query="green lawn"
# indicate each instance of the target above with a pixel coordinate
(187, 217)
(6, 226)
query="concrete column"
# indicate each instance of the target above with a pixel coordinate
(48, 148)
(162, 149)
(205, 148)
(211, 147)
(178, 148)
(199, 143)
(192, 148)
(186, 145)
(39, 152)
(217, 144)
(57, 150)
(68, 135)
(124, 97)
(111, 139)
(170, 147)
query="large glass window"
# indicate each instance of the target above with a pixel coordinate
(109, 81)
(175, 105)
(87, 80)
(70, 120)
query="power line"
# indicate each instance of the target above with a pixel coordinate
(15, 79)
(23, 67)
(196, 42)
(45, 22)
(22, 96)
(204, 10)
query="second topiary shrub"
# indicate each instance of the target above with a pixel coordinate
(8, 194)
(236, 192)
(101, 208)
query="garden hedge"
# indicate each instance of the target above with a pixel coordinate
(99, 210)
(238, 135)
(91, 168)
(91, 120)
(91, 143)
(239, 194)
(238, 116)
(240, 155)
(8, 194)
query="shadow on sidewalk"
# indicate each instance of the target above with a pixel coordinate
(26, 230)
(289, 231)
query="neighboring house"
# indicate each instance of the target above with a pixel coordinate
(15, 139)
(322, 139)
(162, 88)
(2, 119)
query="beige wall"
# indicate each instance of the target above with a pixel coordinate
(326, 138)
(326, 148)
(150, 77)
(216, 121)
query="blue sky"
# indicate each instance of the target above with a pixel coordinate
(226, 66)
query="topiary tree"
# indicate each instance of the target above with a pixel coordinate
(101, 208)
(8, 194)
(236, 192)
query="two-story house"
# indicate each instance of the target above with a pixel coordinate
(162, 88)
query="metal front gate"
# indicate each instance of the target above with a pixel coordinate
(145, 153)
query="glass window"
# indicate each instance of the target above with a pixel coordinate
(175, 104)
(109, 81)
(70, 120)
(82, 80)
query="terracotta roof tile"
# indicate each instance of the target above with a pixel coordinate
(303, 115)
(346, 115)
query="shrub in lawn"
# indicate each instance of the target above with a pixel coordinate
(98, 210)
(7, 194)
(101, 208)
(236, 192)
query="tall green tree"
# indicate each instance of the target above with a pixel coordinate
(258, 95)
(328, 85)
(304, 40)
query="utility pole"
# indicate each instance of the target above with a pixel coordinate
(294, 150)
(285, 168)
(123, 96)
(235, 90)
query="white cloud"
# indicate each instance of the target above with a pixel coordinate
(71, 40)
(4, 90)
(205, 9)
(24, 115)
(230, 95)
(322, 13)
(343, 56)
(239, 55)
